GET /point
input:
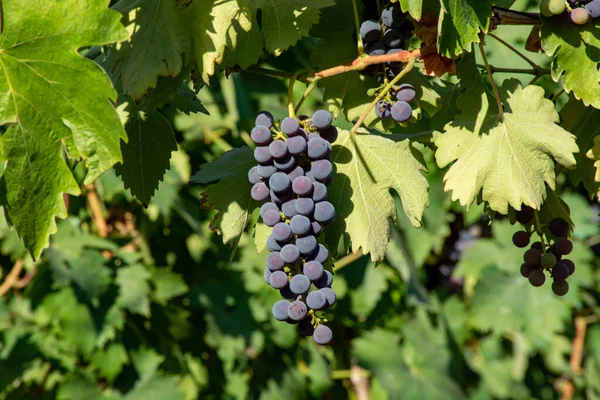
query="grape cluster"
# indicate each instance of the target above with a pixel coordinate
(399, 110)
(577, 11)
(291, 178)
(388, 37)
(545, 256)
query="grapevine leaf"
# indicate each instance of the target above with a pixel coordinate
(367, 167)
(367, 295)
(134, 289)
(147, 153)
(231, 195)
(285, 22)
(249, 47)
(41, 83)
(79, 386)
(460, 24)
(512, 163)
(594, 154)
(158, 43)
(110, 361)
(167, 284)
(413, 7)
(576, 55)
(158, 388)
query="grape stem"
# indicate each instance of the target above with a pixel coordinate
(516, 51)
(489, 72)
(529, 71)
(307, 93)
(293, 78)
(359, 41)
(538, 229)
(407, 68)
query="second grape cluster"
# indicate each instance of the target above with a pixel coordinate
(576, 11)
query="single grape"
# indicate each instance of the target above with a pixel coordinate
(274, 262)
(544, 8)
(267, 275)
(406, 93)
(401, 111)
(279, 182)
(272, 244)
(289, 208)
(307, 245)
(279, 279)
(325, 281)
(383, 109)
(556, 6)
(316, 300)
(321, 256)
(262, 155)
(290, 126)
(392, 17)
(548, 260)
(300, 225)
(261, 135)
(302, 186)
(286, 164)
(322, 335)
(593, 8)
(305, 327)
(317, 148)
(570, 264)
(580, 16)
(319, 192)
(324, 212)
(280, 310)
(286, 293)
(525, 270)
(375, 48)
(537, 245)
(289, 253)
(330, 134)
(253, 176)
(321, 170)
(560, 272)
(282, 232)
(370, 30)
(316, 228)
(266, 171)
(524, 215)
(392, 38)
(297, 310)
(537, 278)
(559, 227)
(563, 246)
(532, 258)
(264, 118)
(520, 239)
(271, 218)
(278, 149)
(560, 288)
(322, 119)
(329, 295)
(280, 198)
(259, 192)
(313, 270)
(305, 206)
(300, 284)
(296, 145)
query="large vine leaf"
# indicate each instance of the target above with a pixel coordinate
(231, 195)
(460, 23)
(576, 55)
(513, 162)
(367, 167)
(50, 96)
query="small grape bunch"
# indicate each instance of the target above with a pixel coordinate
(399, 110)
(576, 11)
(545, 256)
(291, 179)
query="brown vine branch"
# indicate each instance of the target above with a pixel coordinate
(96, 209)
(12, 278)
(504, 16)
(568, 388)
(360, 382)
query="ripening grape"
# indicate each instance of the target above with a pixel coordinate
(299, 284)
(406, 93)
(289, 209)
(563, 246)
(264, 118)
(383, 109)
(305, 206)
(321, 170)
(296, 145)
(280, 198)
(278, 149)
(260, 192)
(278, 279)
(401, 111)
(370, 30)
(271, 218)
(267, 275)
(322, 119)
(313, 270)
(280, 310)
(322, 335)
(295, 173)
(286, 293)
(261, 135)
(262, 155)
(316, 228)
(520, 239)
(392, 38)
(325, 281)
(319, 192)
(560, 288)
(272, 244)
(593, 8)
(537, 278)
(279, 182)
(300, 225)
(302, 186)
(559, 227)
(532, 257)
(525, 270)
(290, 126)
(266, 171)
(580, 16)
(329, 295)
(548, 260)
(316, 300)
(392, 17)
(297, 310)
(317, 148)
(307, 245)
(274, 262)
(321, 256)
(324, 212)
(289, 253)
(560, 272)
(282, 232)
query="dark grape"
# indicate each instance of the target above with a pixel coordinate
(560, 272)
(532, 257)
(537, 278)
(299, 284)
(537, 245)
(267, 275)
(322, 335)
(579, 16)
(305, 327)
(392, 17)
(279, 182)
(329, 295)
(310, 176)
(570, 264)
(300, 225)
(321, 170)
(375, 48)
(279, 279)
(406, 93)
(317, 148)
(285, 164)
(524, 215)
(316, 228)
(282, 232)
(290, 126)
(280, 310)
(262, 155)
(401, 111)
(316, 300)
(313, 270)
(280, 198)
(297, 310)
(324, 212)
(392, 38)
(321, 256)
(266, 171)
(278, 149)
(370, 30)
(289, 208)
(286, 293)
(548, 260)
(560, 288)
(261, 135)
(271, 218)
(259, 192)
(305, 206)
(520, 239)
(264, 118)
(563, 246)
(325, 281)
(330, 134)
(296, 145)
(302, 186)
(383, 109)
(253, 176)
(322, 119)
(559, 227)
(289, 253)
(593, 8)
(272, 244)
(307, 245)
(525, 270)
(295, 173)
(274, 262)
(319, 192)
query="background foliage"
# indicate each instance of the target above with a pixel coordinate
(138, 296)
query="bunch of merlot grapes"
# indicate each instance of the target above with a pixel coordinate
(389, 36)
(577, 11)
(291, 178)
(399, 110)
(545, 257)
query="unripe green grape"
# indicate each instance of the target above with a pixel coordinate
(544, 9)
(556, 6)
(548, 260)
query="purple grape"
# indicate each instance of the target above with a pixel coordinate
(383, 109)
(299, 284)
(307, 245)
(324, 212)
(302, 186)
(370, 30)
(375, 48)
(318, 148)
(290, 126)
(313, 270)
(286, 293)
(321, 170)
(272, 244)
(296, 145)
(278, 149)
(330, 134)
(392, 38)
(262, 155)
(289, 208)
(322, 119)
(267, 275)
(401, 111)
(295, 173)
(282, 232)
(264, 118)
(322, 335)
(266, 171)
(300, 225)
(289, 254)
(280, 310)
(316, 228)
(406, 93)
(261, 135)
(279, 182)
(321, 256)
(593, 8)
(286, 164)
(280, 198)
(325, 281)
(319, 192)
(271, 218)
(305, 206)
(253, 176)
(305, 327)
(260, 192)
(329, 295)
(560, 272)
(297, 310)
(316, 300)
(570, 264)
(274, 262)
(278, 280)
(392, 17)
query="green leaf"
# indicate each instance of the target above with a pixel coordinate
(110, 361)
(460, 23)
(159, 41)
(147, 153)
(367, 295)
(134, 289)
(413, 7)
(511, 164)
(43, 101)
(367, 167)
(576, 55)
(160, 387)
(80, 386)
(285, 22)
(231, 195)
(167, 284)
(90, 274)
(146, 362)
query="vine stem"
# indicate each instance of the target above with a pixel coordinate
(12, 278)
(516, 51)
(529, 71)
(96, 209)
(291, 109)
(359, 41)
(489, 72)
(347, 260)
(407, 68)
(307, 93)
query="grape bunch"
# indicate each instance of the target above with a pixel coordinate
(399, 110)
(543, 255)
(291, 178)
(576, 11)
